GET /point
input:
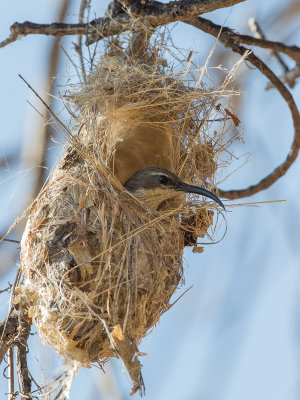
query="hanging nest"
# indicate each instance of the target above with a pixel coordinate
(100, 267)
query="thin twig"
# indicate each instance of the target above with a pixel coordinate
(6, 289)
(10, 325)
(290, 78)
(14, 332)
(178, 298)
(258, 33)
(11, 376)
(8, 332)
(83, 5)
(66, 133)
(11, 241)
(289, 75)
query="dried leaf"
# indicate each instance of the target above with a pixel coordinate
(235, 119)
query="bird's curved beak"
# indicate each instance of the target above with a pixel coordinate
(184, 187)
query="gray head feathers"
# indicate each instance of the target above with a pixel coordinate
(154, 185)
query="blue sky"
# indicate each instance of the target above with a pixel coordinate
(235, 334)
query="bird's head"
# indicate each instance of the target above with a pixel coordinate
(152, 186)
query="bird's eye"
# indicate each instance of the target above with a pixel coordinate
(163, 179)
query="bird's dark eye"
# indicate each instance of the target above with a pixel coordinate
(163, 179)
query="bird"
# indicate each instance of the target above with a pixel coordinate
(152, 186)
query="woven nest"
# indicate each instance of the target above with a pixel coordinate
(101, 267)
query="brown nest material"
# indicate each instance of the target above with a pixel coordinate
(101, 268)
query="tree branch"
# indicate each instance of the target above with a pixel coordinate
(258, 33)
(11, 376)
(183, 9)
(230, 39)
(209, 27)
(14, 332)
(120, 22)
(8, 333)
(18, 30)
(21, 361)
(155, 14)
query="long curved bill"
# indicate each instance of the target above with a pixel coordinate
(184, 187)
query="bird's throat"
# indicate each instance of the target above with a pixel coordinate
(155, 197)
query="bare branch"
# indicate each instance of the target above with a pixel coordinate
(83, 5)
(291, 51)
(11, 377)
(11, 241)
(6, 289)
(18, 30)
(156, 14)
(14, 331)
(290, 78)
(107, 26)
(230, 39)
(183, 9)
(8, 333)
(95, 30)
(258, 33)
(21, 361)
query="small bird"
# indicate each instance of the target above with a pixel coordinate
(153, 185)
